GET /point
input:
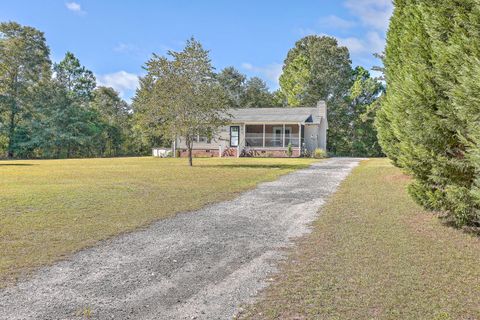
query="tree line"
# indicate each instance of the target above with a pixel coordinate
(56, 110)
(429, 120)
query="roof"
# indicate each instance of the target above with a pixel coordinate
(300, 115)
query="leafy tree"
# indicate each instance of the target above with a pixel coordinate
(317, 68)
(364, 99)
(24, 64)
(181, 96)
(234, 84)
(115, 116)
(256, 94)
(428, 123)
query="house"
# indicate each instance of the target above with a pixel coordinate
(266, 132)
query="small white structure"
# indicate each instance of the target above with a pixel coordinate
(162, 152)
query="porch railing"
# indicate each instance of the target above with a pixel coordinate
(271, 140)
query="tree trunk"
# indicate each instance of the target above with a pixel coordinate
(189, 143)
(190, 160)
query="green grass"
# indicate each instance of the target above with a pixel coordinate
(375, 254)
(51, 208)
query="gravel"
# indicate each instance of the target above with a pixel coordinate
(196, 265)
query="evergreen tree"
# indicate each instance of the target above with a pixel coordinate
(73, 126)
(115, 116)
(364, 97)
(256, 94)
(234, 84)
(429, 117)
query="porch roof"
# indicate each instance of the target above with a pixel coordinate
(275, 115)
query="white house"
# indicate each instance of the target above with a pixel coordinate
(264, 132)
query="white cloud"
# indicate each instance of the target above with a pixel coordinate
(372, 13)
(75, 7)
(271, 72)
(335, 22)
(372, 43)
(121, 81)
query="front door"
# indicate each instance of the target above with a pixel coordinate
(234, 136)
(277, 136)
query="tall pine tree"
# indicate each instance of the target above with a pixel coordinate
(429, 118)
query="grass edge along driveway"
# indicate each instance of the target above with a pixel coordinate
(375, 254)
(52, 208)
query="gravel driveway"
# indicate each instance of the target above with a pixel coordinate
(196, 265)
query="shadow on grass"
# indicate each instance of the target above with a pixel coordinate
(256, 166)
(16, 164)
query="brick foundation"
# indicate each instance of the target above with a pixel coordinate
(232, 153)
(199, 153)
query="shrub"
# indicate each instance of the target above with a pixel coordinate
(320, 154)
(289, 150)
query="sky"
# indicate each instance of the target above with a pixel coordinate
(114, 39)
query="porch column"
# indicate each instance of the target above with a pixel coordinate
(300, 137)
(244, 143)
(283, 144)
(264, 135)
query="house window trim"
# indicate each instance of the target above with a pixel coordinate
(238, 136)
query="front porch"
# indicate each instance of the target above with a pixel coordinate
(272, 140)
(273, 135)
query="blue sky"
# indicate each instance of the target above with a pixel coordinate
(115, 38)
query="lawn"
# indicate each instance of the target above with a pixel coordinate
(374, 254)
(51, 208)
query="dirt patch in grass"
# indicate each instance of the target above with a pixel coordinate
(374, 254)
(51, 208)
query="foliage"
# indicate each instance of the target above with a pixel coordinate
(320, 154)
(243, 93)
(56, 112)
(317, 68)
(364, 98)
(181, 97)
(256, 94)
(233, 83)
(24, 64)
(115, 115)
(429, 120)
(289, 150)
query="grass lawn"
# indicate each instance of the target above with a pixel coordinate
(51, 208)
(374, 254)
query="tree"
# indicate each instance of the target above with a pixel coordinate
(115, 115)
(74, 77)
(234, 84)
(364, 99)
(428, 122)
(317, 68)
(180, 96)
(256, 94)
(24, 63)
(71, 127)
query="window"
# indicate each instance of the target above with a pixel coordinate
(234, 136)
